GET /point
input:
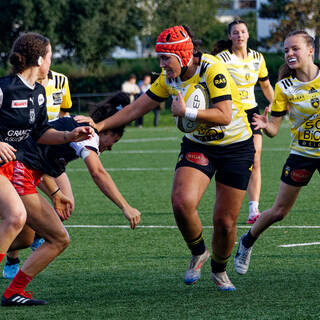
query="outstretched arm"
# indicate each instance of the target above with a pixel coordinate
(105, 183)
(270, 127)
(132, 111)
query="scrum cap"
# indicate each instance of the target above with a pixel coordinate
(175, 41)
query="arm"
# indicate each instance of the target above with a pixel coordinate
(270, 127)
(105, 183)
(52, 136)
(267, 90)
(133, 111)
(220, 114)
(62, 204)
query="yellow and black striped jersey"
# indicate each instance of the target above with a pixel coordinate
(301, 101)
(245, 73)
(214, 77)
(58, 94)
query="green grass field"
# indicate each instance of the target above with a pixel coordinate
(112, 272)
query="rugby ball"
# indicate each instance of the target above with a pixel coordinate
(195, 97)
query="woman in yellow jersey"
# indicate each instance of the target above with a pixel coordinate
(298, 88)
(224, 149)
(247, 67)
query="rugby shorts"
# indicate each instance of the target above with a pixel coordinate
(298, 170)
(231, 165)
(23, 179)
(250, 113)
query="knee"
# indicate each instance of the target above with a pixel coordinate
(61, 242)
(182, 205)
(279, 214)
(17, 220)
(224, 225)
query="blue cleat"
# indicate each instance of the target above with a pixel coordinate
(10, 270)
(37, 242)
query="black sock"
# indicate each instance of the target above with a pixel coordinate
(197, 245)
(218, 266)
(248, 240)
(11, 261)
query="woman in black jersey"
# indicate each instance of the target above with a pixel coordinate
(22, 114)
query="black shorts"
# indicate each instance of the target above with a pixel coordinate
(231, 165)
(298, 170)
(250, 113)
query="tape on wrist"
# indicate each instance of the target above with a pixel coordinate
(191, 114)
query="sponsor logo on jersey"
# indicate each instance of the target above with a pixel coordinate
(220, 81)
(32, 116)
(17, 135)
(19, 103)
(57, 98)
(300, 175)
(40, 99)
(197, 158)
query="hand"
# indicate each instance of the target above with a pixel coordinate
(260, 121)
(269, 107)
(83, 119)
(63, 205)
(79, 134)
(133, 215)
(7, 152)
(178, 106)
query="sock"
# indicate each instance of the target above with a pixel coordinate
(18, 284)
(197, 245)
(253, 208)
(218, 264)
(248, 240)
(11, 261)
(2, 255)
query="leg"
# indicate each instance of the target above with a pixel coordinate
(23, 240)
(12, 214)
(188, 188)
(226, 211)
(64, 184)
(43, 219)
(254, 187)
(286, 198)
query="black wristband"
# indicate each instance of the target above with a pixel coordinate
(53, 193)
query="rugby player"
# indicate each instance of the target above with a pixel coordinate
(221, 146)
(36, 159)
(297, 93)
(247, 67)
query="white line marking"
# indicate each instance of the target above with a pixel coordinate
(150, 139)
(178, 150)
(175, 227)
(299, 244)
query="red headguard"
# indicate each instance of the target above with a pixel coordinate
(175, 41)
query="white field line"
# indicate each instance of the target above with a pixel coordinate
(175, 227)
(178, 150)
(300, 244)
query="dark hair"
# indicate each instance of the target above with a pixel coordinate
(196, 42)
(284, 70)
(26, 50)
(109, 107)
(227, 44)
